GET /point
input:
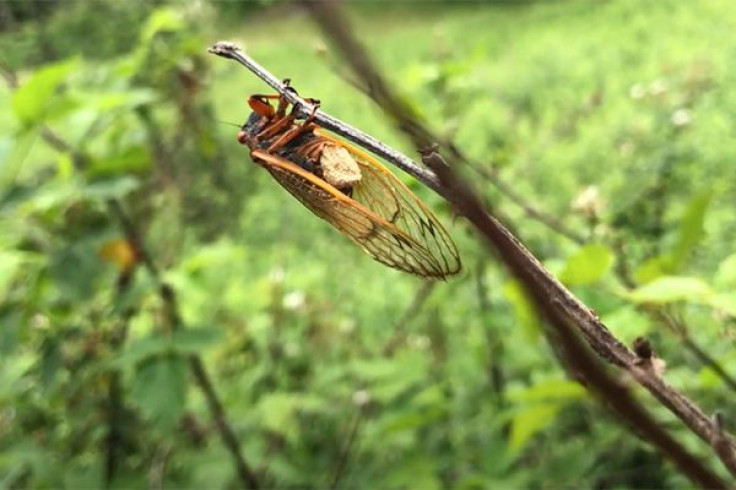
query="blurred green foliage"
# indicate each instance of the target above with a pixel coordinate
(615, 117)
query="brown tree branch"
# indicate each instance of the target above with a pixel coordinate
(539, 283)
(420, 134)
(231, 51)
(562, 328)
(556, 303)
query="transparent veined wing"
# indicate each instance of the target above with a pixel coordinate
(384, 194)
(366, 222)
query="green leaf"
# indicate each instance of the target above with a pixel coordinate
(652, 269)
(75, 270)
(141, 349)
(129, 99)
(278, 412)
(709, 379)
(627, 322)
(529, 421)
(10, 166)
(540, 403)
(411, 419)
(10, 263)
(194, 340)
(11, 321)
(587, 265)
(160, 388)
(724, 302)
(414, 470)
(31, 101)
(61, 105)
(113, 188)
(47, 196)
(29, 455)
(524, 311)
(691, 230)
(164, 19)
(50, 362)
(669, 289)
(122, 161)
(726, 273)
(87, 473)
(550, 390)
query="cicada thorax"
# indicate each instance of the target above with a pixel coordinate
(331, 163)
(324, 159)
(312, 152)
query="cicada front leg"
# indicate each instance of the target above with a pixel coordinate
(304, 127)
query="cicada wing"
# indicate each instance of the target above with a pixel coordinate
(384, 194)
(380, 238)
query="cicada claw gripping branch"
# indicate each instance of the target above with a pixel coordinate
(303, 108)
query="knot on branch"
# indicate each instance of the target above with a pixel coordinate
(646, 358)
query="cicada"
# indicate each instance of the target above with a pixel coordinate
(347, 188)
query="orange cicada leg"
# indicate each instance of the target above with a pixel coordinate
(294, 132)
(289, 135)
(275, 127)
(260, 105)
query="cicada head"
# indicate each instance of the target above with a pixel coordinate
(263, 112)
(250, 128)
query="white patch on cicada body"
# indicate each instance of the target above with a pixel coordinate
(339, 168)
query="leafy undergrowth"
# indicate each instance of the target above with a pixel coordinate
(613, 117)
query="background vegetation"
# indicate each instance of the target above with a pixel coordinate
(615, 117)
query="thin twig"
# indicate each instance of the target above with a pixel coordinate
(342, 462)
(247, 476)
(659, 313)
(167, 294)
(494, 340)
(549, 294)
(419, 133)
(114, 440)
(548, 220)
(157, 473)
(682, 331)
(399, 329)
